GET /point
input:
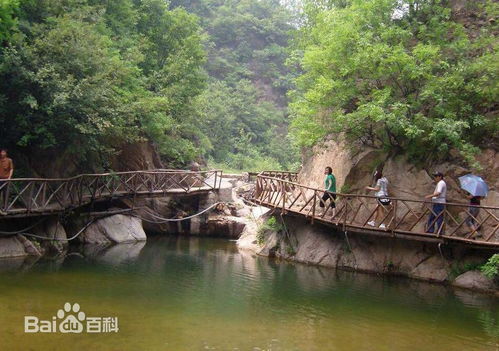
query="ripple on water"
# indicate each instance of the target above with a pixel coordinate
(191, 294)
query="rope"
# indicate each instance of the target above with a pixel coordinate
(160, 220)
(22, 230)
(164, 220)
(57, 239)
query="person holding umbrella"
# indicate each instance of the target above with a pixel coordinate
(476, 189)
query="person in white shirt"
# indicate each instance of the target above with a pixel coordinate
(438, 198)
(384, 202)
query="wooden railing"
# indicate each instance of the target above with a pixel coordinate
(291, 176)
(32, 196)
(402, 218)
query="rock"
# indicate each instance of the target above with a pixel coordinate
(136, 157)
(31, 247)
(322, 245)
(354, 169)
(230, 227)
(243, 212)
(12, 247)
(194, 166)
(52, 229)
(476, 281)
(118, 228)
(248, 240)
(435, 268)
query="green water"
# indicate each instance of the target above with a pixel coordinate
(202, 294)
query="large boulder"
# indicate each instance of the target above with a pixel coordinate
(225, 226)
(117, 228)
(12, 247)
(476, 281)
(55, 233)
(136, 157)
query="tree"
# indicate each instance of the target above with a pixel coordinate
(395, 74)
(86, 76)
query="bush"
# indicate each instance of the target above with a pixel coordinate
(491, 268)
(270, 225)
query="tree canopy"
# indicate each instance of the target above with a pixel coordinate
(221, 80)
(87, 76)
(409, 75)
(244, 108)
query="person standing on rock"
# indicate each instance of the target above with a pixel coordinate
(384, 202)
(330, 190)
(438, 198)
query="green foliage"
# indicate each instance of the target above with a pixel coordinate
(290, 251)
(345, 189)
(8, 20)
(491, 268)
(457, 269)
(270, 225)
(243, 110)
(85, 77)
(402, 74)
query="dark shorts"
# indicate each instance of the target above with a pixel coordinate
(384, 202)
(327, 195)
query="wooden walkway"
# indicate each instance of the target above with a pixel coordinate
(23, 197)
(407, 219)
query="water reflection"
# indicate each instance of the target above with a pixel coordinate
(190, 294)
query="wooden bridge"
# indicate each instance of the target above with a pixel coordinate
(406, 219)
(23, 197)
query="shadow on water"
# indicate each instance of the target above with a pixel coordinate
(182, 281)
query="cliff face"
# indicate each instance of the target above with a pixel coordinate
(137, 156)
(354, 171)
(317, 244)
(62, 164)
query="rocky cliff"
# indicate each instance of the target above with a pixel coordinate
(297, 240)
(354, 166)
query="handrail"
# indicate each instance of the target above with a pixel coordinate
(152, 171)
(402, 217)
(34, 196)
(374, 197)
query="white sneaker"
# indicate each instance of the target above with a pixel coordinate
(372, 224)
(382, 226)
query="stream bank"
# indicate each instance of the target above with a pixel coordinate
(296, 239)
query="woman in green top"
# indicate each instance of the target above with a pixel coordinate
(330, 187)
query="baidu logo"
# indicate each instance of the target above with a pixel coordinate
(71, 319)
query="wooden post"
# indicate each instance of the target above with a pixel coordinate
(29, 201)
(345, 215)
(283, 187)
(43, 195)
(394, 217)
(313, 208)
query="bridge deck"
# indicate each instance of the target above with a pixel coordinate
(407, 219)
(34, 196)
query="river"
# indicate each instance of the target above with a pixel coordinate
(203, 294)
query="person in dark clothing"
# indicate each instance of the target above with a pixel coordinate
(473, 212)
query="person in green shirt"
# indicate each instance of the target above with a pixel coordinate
(330, 190)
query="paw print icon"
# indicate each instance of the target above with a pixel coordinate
(71, 318)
